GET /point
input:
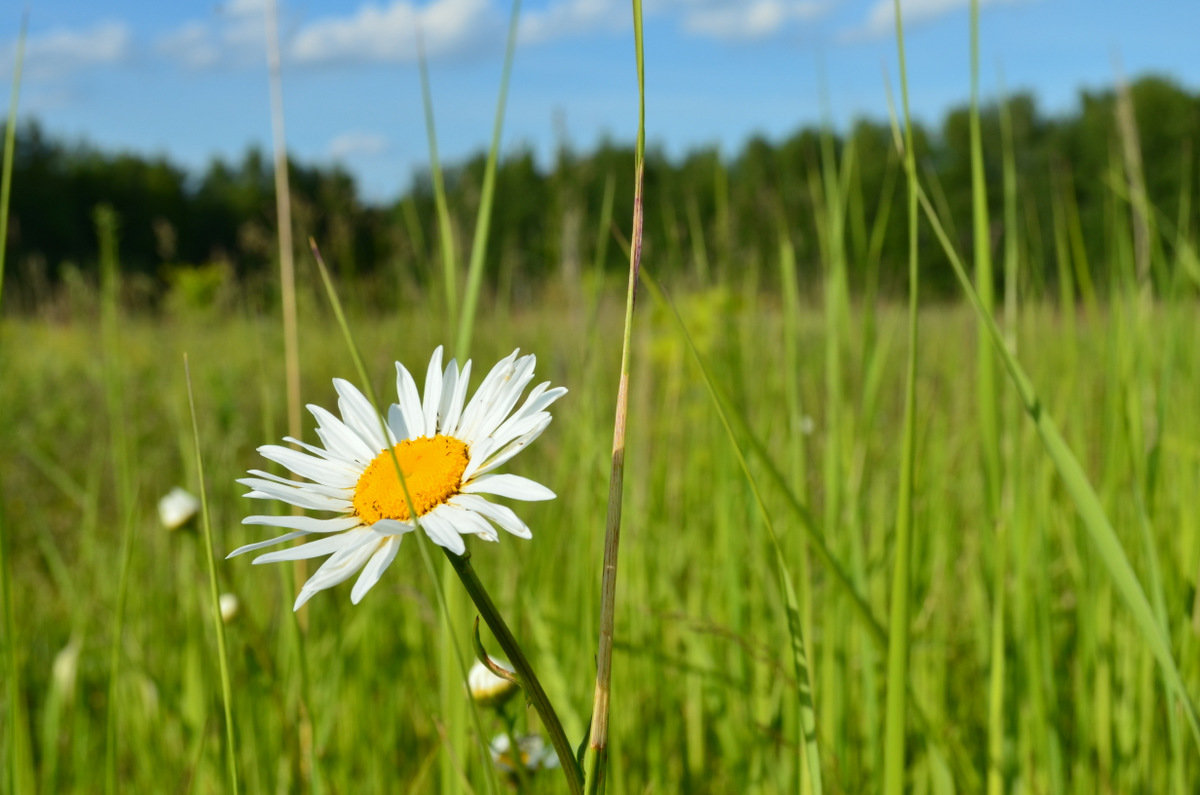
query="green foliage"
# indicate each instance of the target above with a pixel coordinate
(702, 672)
(203, 289)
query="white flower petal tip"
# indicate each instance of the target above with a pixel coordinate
(446, 446)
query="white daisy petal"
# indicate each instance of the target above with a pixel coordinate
(392, 527)
(480, 451)
(336, 437)
(299, 496)
(449, 388)
(397, 424)
(453, 407)
(442, 533)
(307, 466)
(498, 457)
(506, 397)
(325, 545)
(410, 402)
(242, 550)
(339, 568)
(467, 522)
(493, 382)
(502, 515)
(433, 393)
(319, 452)
(359, 415)
(374, 568)
(534, 406)
(512, 486)
(306, 524)
(268, 478)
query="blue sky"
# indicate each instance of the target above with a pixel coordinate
(189, 80)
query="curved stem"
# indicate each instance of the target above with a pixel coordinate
(528, 679)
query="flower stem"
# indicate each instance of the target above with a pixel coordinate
(528, 679)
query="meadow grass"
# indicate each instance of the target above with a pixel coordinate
(849, 563)
(703, 684)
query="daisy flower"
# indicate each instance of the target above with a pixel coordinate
(448, 455)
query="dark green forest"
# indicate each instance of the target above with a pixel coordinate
(1078, 180)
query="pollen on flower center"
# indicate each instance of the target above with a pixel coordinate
(432, 467)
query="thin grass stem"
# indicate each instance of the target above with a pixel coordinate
(598, 744)
(445, 227)
(898, 621)
(19, 752)
(214, 593)
(466, 319)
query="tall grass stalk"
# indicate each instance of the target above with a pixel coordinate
(446, 245)
(10, 146)
(283, 224)
(450, 700)
(483, 218)
(598, 742)
(214, 593)
(1010, 453)
(119, 443)
(988, 410)
(898, 622)
(18, 753)
(291, 352)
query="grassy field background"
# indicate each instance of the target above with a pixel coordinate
(704, 695)
(975, 622)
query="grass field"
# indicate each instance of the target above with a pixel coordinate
(704, 697)
(850, 563)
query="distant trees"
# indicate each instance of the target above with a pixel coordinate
(705, 216)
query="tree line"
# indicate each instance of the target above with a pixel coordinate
(1079, 180)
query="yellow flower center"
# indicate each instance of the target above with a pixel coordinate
(432, 468)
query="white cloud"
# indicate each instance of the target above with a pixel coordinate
(370, 33)
(62, 51)
(881, 19)
(573, 17)
(389, 33)
(357, 143)
(747, 21)
(236, 35)
(192, 44)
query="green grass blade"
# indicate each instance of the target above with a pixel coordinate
(110, 281)
(445, 227)
(898, 622)
(598, 744)
(214, 595)
(466, 319)
(19, 756)
(10, 147)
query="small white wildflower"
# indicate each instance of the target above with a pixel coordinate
(487, 688)
(229, 606)
(177, 508)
